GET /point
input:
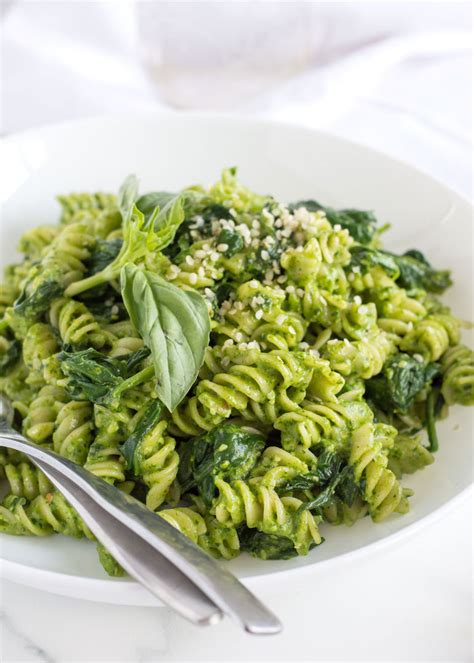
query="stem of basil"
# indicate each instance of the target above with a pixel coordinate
(142, 376)
(90, 282)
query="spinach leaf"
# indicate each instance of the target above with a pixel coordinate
(364, 257)
(147, 423)
(104, 305)
(135, 358)
(214, 212)
(234, 241)
(360, 224)
(10, 356)
(228, 452)
(91, 374)
(265, 546)
(402, 378)
(302, 482)
(223, 291)
(325, 497)
(332, 477)
(37, 295)
(173, 323)
(411, 270)
(104, 252)
(98, 378)
(416, 272)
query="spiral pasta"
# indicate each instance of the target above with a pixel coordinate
(75, 203)
(73, 431)
(432, 336)
(383, 493)
(104, 458)
(76, 325)
(316, 422)
(262, 508)
(40, 421)
(398, 312)
(8, 293)
(157, 462)
(124, 338)
(364, 358)
(457, 365)
(27, 481)
(326, 356)
(35, 241)
(45, 515)
(186, 520)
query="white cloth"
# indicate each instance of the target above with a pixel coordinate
(394, 75)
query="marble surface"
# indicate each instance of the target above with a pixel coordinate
(410, 602)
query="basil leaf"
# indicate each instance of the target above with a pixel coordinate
(173, 323)
(127, 195)
(167, 220)
(150, 201)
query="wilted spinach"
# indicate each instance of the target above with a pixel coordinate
(362, 225)
(411, 270)
(332, 478)
(364, 258)
(91, 374)
(228, 452)
(37, 295)
(10, 356)
(98, 378)
(233, 239)
(265, 546)
(152, 415)
(104, 252)
(402, 378)
(416, 272)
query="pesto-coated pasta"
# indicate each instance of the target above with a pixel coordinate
(252, 371)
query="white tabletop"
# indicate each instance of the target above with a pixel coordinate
(410, 602)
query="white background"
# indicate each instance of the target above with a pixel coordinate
(394, 75)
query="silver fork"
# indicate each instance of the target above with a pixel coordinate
(151, 550)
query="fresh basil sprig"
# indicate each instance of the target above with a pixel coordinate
(173, 323)
(142, 236)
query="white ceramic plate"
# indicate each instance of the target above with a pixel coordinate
(170, 151)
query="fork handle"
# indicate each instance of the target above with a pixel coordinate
(137, 557)
(221, 587)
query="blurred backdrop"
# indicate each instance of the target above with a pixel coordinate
(395, 75)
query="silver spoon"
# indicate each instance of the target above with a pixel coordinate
(150, 549)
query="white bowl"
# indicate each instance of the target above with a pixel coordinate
(169, 151)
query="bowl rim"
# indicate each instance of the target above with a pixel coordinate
(230, 117)
(27, 575)
(113, 587)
